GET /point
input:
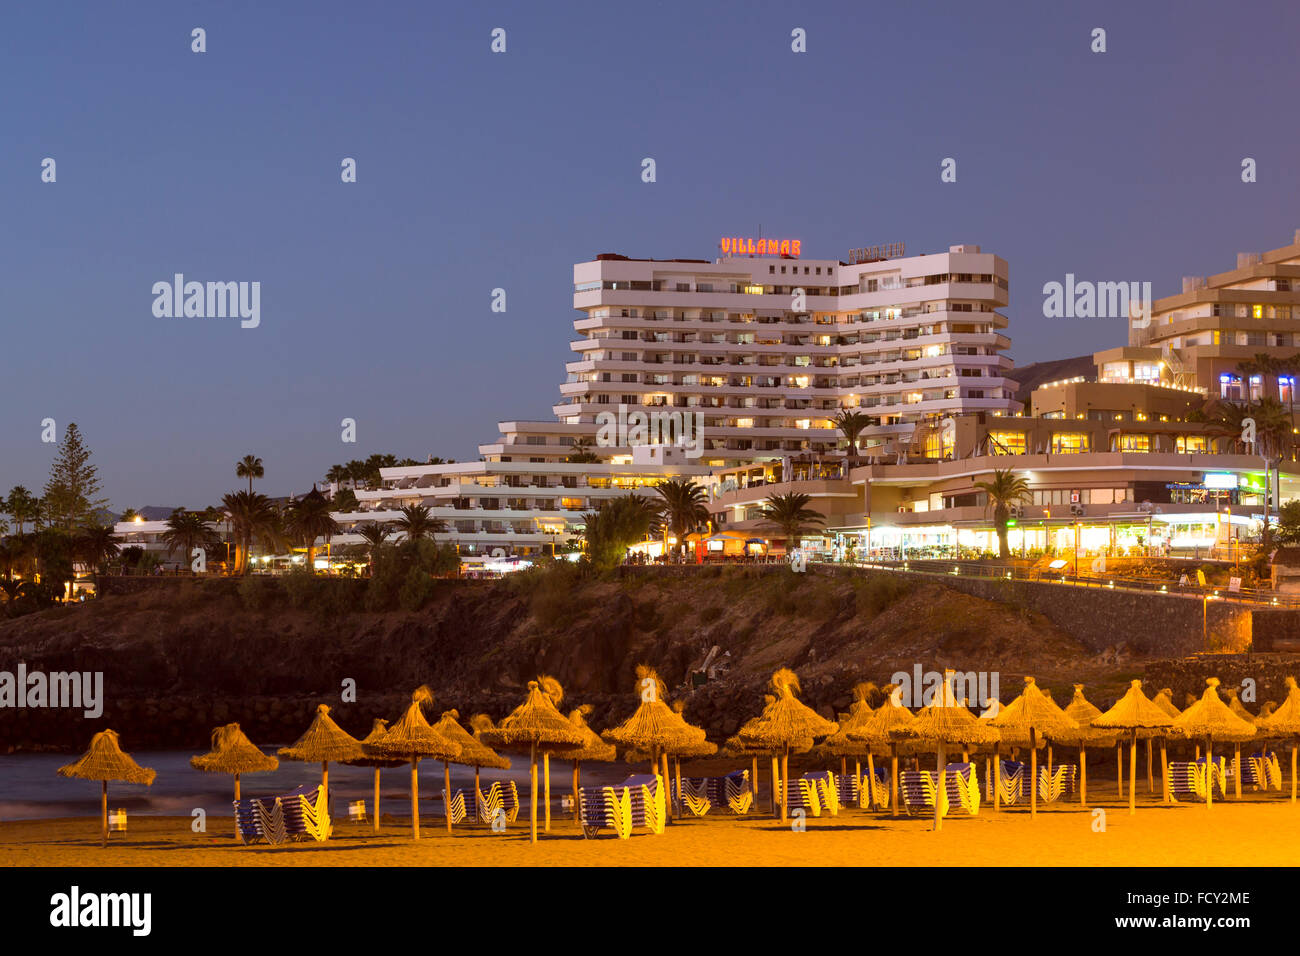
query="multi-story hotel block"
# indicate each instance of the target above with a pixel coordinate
(767, 348)
(1197, 339)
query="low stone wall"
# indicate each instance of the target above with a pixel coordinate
(1149, 623)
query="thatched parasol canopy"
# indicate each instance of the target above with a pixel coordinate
(1165, 701)
(232, 752)
(1083, 712)
(1133, 711)
(369, 756)
(1033, 711)
(473, 752)
(858, 718)
(1285, 719)
(1237, 707)
(593, 748)
(888, 717)
(324, 741)
(1211, 717)
(534, 723)
(787, 719)
(653, 726)
(413, 736)
(105, 760)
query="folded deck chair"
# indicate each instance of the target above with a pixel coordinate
(647, 801)
(917, 788)
(1268, 772)
(694, 795)
(258, 821)
(602, 808)
(963, 787)
(847, 788)
(1184, 782)
(1012, 782)
(1218, 776)
(305, 813)
(874, 793)
(737, 792)
(1056, 784)
(502, 798)
(455, 806)
(828, 794)
(802, 794)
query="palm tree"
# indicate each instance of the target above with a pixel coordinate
(374, 534)
(96, 545)
(187, 530)
(1290, 367)
(1225, 421)
(1006, 489)
(248, 513)
(582, 453)
(791, 515)
(22, 506)
(250, 467)
(851, 424)
(309, 518)
(417, 523)
(616, 525)
(336, 475)
(682, 507)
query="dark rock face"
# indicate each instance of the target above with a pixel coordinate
(181, 657)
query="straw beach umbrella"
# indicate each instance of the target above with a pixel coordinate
(943, 722)
(233, 753)
(879, 732)
(1033, 713)
(1133, 712)
(368, 742)
(735, 747)
(784, 723)
(1211, 718)
(592, 749)
(323, 741)
(1083, 712)
(411, 738)
(473, 753)
(654, 727)
(552, 689)
(1285, 722)
(106, 761)
(839, 744)
(535, 724)
(1237, 707)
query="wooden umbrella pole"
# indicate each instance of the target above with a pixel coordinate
(103, 813)
(997, 777)
(1294, 748)
(785, 779)
(857, 775)
(415, 798)
(376, 799)
(1209, 773)
(893, 779)
(1083, 774)
(871, 782)
(753, 777)
(446, 800)
(236, 801)
(777, 800)
(940, 791)
(1033, 774)
(677, 774)
(325, 782)
(1151, 786)
(668, 804)
(1164, 771)
(1236, 771)
(1119, 768)
(1049, 759)
(844, 765)
(546, 777)
(1132, 773)
(576, 788)
(532, 788)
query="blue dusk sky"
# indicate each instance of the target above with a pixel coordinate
(479, 170)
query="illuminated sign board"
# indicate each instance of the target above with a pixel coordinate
(738, 246)
(1220, 480)
(892, 250)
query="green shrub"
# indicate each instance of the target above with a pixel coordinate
(877, 592)
(257, 592)
(415, 590)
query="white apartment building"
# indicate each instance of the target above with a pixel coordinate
(520, 508)
(768, 347)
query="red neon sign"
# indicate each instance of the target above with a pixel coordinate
(737, 246)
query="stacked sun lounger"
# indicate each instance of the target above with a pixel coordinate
(694, 797)
(1187, 779)
(501, 799)
(1056, 783)
(1265, 771)
(961, 784)
(828, 793)
(299, 814)
(1013, 778)
(733, 791)
(802, 793)
(639, 801)
(874, 792)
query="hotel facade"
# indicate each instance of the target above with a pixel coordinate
(763, 350)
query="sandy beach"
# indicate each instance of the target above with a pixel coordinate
(1259, 830)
